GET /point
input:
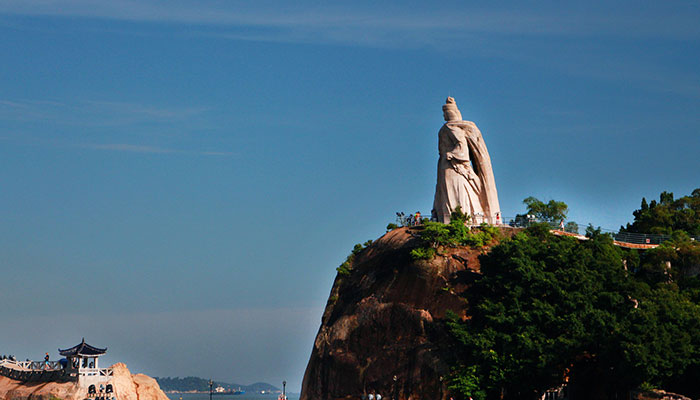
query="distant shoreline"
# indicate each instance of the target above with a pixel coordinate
(218, 394)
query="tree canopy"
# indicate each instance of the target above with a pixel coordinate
(553, 211)
(548, 310)
(667, 215)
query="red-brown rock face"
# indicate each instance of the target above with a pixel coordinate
(386, 319)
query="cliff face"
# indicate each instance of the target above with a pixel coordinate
(386, 319)
(127, 386)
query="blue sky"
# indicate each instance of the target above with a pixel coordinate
(179, 180)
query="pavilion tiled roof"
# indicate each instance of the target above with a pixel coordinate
(82, 349)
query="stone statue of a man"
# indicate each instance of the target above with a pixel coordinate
(464, 177)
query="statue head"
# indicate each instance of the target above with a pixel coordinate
(450, 110)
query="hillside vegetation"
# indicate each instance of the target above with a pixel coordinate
(549, 310)
(668, 215)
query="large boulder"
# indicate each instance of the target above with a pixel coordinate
(386, 319)
(128, 386)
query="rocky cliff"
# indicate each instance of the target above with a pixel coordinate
(127, 386)
(385, 319)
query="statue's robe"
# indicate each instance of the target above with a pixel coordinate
(465, 176)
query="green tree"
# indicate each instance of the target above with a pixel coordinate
(660, 345)
(553, 211)
(547, 309)
(676, 260)
(668, 215)
(571, 227)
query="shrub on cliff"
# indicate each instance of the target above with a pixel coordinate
(345, 268)
(549, 309)
(456, 233)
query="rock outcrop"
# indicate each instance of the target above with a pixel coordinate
(127, 386)
(386, 319)
(658, 395)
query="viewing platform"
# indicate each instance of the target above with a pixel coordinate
(34, 371)
(79, 365)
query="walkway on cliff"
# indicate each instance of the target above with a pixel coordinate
(571, 228)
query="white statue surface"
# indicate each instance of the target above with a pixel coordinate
(465, 177)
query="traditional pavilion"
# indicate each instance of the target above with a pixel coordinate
(83, 363)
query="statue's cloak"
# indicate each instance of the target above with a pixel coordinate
(481, 162)
(463, 142)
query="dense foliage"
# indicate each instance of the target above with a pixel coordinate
(571, 226)
(456, 233)
(548, 310)
(668, 215)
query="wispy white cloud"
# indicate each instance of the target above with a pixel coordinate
(457, 29)
(147, 111)
(216, 153)
(367, 24)
(94, 124)
(31, 140)
(93, 113)
(135, 148)
(129, 148)
(486, 31)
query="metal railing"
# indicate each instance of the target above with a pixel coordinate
(403, 219)
(27, 371)
(640, 238)
(569, 226)
(32, 365)
(96, 372)
(580, 229)
(42, 371)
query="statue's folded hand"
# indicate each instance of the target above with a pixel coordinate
(463, 170)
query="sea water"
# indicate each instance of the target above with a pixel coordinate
(244, 396)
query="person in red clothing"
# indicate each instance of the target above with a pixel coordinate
(417, 218)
